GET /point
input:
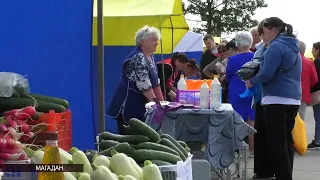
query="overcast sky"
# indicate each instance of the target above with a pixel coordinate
(303, 16)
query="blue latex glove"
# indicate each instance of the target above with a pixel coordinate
(249, 92)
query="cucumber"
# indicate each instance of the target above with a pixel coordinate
(145, 154)
(9, 103)
(121, 148)
(128, 130)
(187, 149)
(36, 116)
(15, 94)
(160, 163)
(183, 144)
(140, 127)
(131, 139)
(105, 144)
(155, 146)
(168, 143)
(49, 99)
(178, 145)
(47, 106)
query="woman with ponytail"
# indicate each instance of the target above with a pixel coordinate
(280, 77)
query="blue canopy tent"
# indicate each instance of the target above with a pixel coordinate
(50, 42)
(121, 20)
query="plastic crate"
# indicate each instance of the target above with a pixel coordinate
(19, 175)
(63, 124)
(181, 171)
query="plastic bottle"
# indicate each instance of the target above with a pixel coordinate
(204, 95)
(51, 152)
(215, 93)
(182, 84)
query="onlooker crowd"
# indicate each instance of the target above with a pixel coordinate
(286, 83)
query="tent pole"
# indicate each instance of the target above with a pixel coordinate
(163, 76)
(101, 103)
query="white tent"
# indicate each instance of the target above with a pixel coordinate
(191, 42)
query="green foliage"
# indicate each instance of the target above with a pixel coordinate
(224, 16)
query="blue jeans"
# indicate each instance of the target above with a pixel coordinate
(316, 114)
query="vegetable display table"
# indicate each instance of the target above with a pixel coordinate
(222, 130)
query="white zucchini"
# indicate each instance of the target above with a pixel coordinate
(37, 157)
(127, 177)
(78, 157)
(73, 173)
(136, 166)
(121, 165)
(101, 160)
(151, 171)
(83, 176)
(101, 173)
(64, 156)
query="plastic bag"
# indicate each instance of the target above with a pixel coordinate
(12, 82)
(300, 136)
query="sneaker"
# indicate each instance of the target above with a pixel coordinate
(314, 145)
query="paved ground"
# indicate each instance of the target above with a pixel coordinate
(306, 167)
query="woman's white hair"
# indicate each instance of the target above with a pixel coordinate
(145, 32)
(243, 39)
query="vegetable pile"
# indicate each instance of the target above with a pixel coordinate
(143, 143)
(42, 103)
(118, 167)
(13, 130)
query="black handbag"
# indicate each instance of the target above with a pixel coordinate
(249, 69)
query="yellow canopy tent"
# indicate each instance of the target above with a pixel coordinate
(122, 18)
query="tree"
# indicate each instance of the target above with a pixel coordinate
(224, 16)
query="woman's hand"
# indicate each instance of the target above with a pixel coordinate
(172, 95)
(248, 84)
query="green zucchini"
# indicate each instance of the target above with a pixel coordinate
(105, 144)
(169, 144)
(131, 139)
(121, 148)
(160, 163)
(155, 146)
(128, 130)
(49, 99)
(145, 154)
(178, 145)
(140, 127)
(183, 144)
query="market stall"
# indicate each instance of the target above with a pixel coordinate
(121, 21)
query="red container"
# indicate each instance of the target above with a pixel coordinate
(60, 122)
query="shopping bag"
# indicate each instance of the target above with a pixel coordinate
(300, 136)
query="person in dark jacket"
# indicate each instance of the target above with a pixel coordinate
(209, 55)
(315, 144)
(171, 68)
(280, 76)
(139, 82)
